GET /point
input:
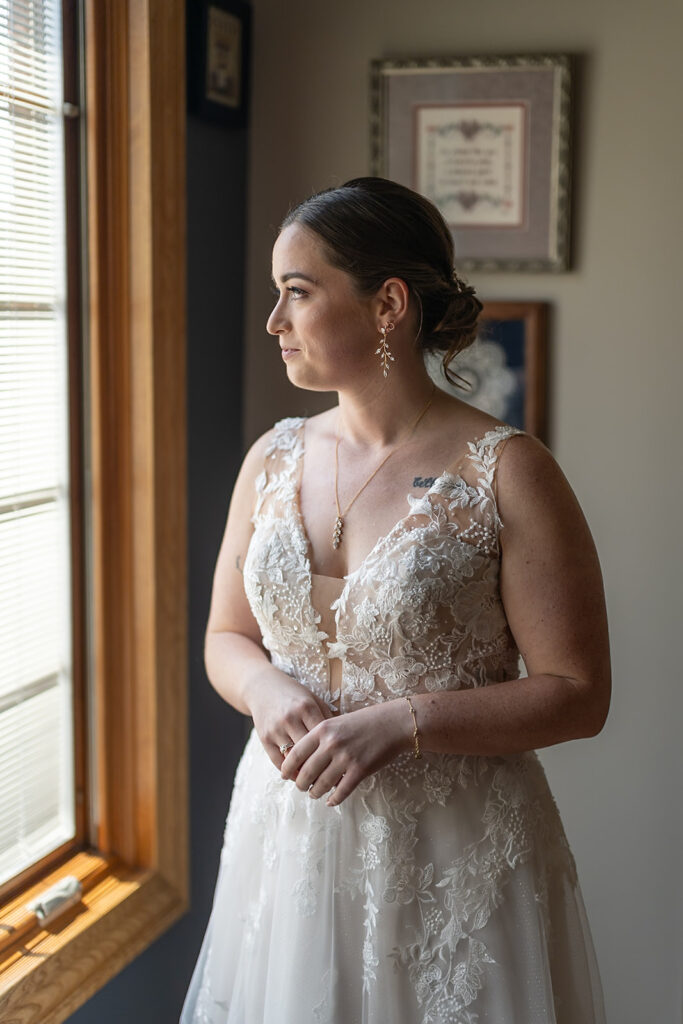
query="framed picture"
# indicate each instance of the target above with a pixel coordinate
(218, 48)
(505, 367)
(487, 139)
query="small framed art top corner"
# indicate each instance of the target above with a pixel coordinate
(218, 60)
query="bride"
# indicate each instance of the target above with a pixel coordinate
(392, 850)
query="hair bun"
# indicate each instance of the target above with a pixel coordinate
(457, 327)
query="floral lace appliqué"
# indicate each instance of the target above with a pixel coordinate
(423, 613)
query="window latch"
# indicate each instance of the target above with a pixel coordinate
(56, 899)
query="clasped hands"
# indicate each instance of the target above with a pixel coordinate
(330, 752)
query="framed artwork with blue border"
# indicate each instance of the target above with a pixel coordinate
(218, 49)
(506, 367)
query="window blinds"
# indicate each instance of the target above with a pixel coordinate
(36, 716)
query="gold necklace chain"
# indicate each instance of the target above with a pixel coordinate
(339, 522)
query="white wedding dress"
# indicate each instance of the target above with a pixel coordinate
(441, 891)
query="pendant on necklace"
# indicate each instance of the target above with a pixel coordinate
(336, 536)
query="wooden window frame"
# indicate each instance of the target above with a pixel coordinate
(135, 867)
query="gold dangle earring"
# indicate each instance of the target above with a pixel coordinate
(383, 350)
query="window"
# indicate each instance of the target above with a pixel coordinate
(37, 777)
(126, 419)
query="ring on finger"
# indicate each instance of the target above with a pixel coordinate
(284, 747)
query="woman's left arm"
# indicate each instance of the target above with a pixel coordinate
(552, 592)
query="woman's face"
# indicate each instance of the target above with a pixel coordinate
(327, 333)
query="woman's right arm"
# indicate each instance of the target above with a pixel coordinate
(236, 662)
(233, 653)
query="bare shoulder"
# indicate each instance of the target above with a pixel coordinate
(258, 448)
(524, 459)
(252, 466)
(533, 493)
(253, 461)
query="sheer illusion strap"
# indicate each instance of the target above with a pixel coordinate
(500, 448)
(484, 454)
(281, 456)
(483, 451)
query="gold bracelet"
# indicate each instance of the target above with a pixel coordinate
(416, 740)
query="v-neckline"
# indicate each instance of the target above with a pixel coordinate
(296, 504)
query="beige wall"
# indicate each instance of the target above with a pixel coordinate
(614, 393)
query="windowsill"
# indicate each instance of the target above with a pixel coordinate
(121, 912)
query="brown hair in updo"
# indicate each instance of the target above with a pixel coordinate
(373, 229)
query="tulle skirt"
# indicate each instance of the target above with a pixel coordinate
(439, 892)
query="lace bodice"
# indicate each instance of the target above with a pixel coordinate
(423, 610)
